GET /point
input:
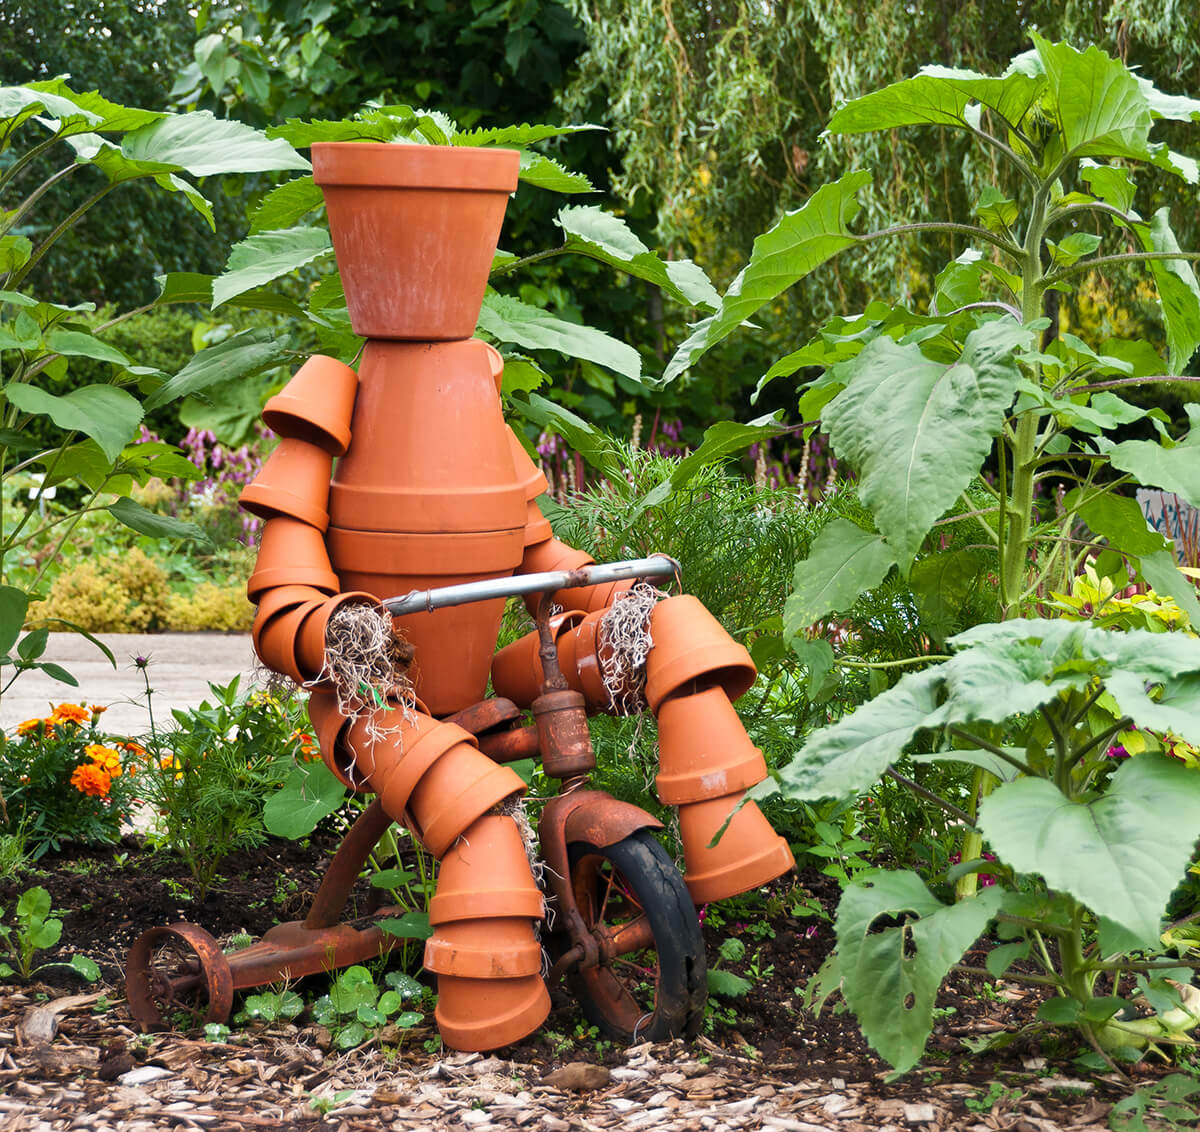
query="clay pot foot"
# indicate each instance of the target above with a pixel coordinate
(474, 1015)
(749, 854)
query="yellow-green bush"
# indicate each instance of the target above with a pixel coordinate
(126, 593)
(130, 593)
(210, 607)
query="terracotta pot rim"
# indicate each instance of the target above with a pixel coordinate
(269, 502)
(325, 580)
(399, 165)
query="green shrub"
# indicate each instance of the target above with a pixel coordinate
(210, 608)
(127, 593)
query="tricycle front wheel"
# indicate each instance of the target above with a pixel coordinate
(632, 898)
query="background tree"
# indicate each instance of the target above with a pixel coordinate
(130, 51)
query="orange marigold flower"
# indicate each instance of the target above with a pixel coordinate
(91, 779)
(132, 748)
(105, 758)
(97, 711)
(70, 713)
(30, 725)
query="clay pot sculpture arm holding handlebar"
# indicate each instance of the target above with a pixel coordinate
(692, 674)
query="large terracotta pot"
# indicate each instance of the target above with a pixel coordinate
(453, 647)
(414, 229)
(431, 450)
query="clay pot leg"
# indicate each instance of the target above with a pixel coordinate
(484, 950)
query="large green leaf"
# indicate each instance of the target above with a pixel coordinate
(1097, 101)
(80, 344)
(310, 794)
(593, 232)
(937, 96)
(1173, 469)
(916, 430)
(1177, 288)
(260, 259)
(101, 114)
(1122, 855)
(591, 444)
(801, 241)
(192, 287)
(845, 561)
(1118, 519)
(243, 355)
(108, 415)
(850, 756)
(892, 971)
(204, 145)
(285, 204)
(146, 522)
(510, 320)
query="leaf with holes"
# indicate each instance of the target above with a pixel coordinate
(896, 943)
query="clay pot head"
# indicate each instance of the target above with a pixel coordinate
(316, 405)
(414, 229)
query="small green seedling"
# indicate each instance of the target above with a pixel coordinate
(355, 1010)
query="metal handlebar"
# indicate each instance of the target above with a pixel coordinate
(426, 601)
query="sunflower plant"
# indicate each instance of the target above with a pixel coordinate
(63, 780)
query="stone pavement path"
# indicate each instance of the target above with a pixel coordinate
(181, 666)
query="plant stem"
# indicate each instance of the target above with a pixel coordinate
(509, 268)
(1030, 925)
(929, 795)
(1009, 976)
(1120, 257)
(1096, 740)
(924, 659)
(19, 276)
(974, 230)
(983, 744)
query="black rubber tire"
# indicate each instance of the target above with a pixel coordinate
(657, 993)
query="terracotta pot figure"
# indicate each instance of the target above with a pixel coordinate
(430, 488)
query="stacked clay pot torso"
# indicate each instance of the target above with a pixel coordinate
(428, 496)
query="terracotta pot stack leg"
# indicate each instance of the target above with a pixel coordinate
(693, 673)
(484, 950)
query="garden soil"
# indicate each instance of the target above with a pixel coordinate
(70, 1056)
